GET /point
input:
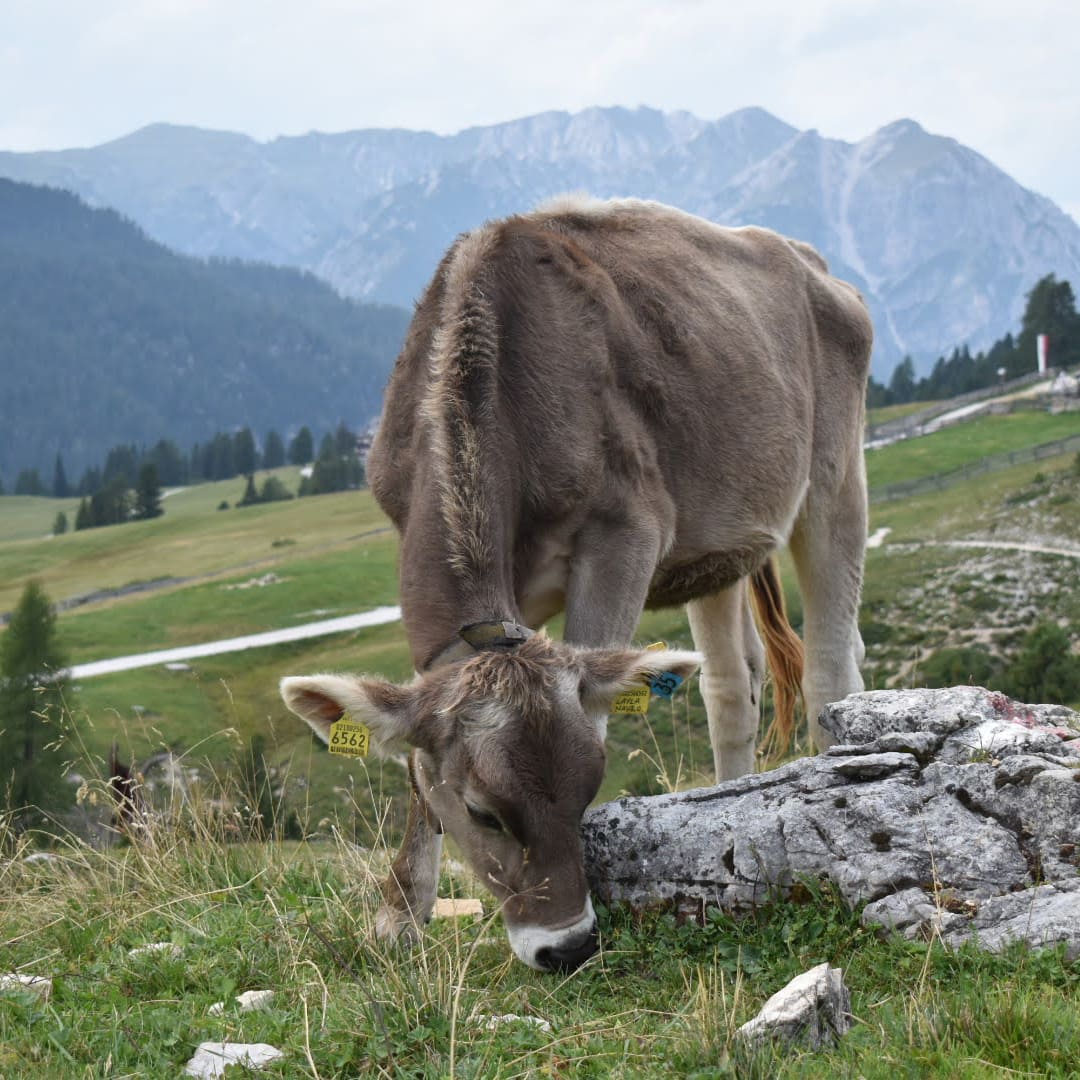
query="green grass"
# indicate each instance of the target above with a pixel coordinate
(661, 999)
(963, 444)
(192, 539)
(877, 417)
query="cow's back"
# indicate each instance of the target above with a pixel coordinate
(648, 362)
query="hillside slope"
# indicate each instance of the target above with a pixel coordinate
(107, 337)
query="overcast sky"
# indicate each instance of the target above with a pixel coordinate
(1001, 77)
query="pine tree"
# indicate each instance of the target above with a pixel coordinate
(28, 483)
(245, 455)
(61, 489)
(83, 518)
(32, 691)
(1051, 310)
(90, 482)
(274, 452)
(148, 493)
(250, 496)
(302, 447)
(60, 524)
(902, 383)
(171, 466)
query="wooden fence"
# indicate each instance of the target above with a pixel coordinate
(993, 463)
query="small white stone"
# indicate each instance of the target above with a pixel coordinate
(41, 857)
(35, 984)
(490, 1023)
(211, 1058)
(814, 1009)
(165, 948)
(250, 1000)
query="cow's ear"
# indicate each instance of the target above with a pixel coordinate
(611, 671)
(387, 709)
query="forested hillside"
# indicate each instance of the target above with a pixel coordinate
(107, 337)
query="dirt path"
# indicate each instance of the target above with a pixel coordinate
(877, 540)
(377, 617)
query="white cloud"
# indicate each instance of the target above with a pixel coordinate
(1000, 79)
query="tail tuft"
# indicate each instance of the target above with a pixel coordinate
(783, 653)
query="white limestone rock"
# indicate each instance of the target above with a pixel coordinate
(813, 1010)
(936, 809)
(212, 1058)
(33, 984)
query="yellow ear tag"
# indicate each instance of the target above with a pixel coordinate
(349, 737)
(634, 701)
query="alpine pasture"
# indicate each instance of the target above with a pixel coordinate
(295, 916)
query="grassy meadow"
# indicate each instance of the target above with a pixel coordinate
(661, 999)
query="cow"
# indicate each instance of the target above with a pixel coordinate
(602, 407)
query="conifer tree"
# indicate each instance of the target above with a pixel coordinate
(83, 518)
(32, 691)
(28, 483)
(302, 447)
(61, 489)
(274, 451)
(148, 493)
(251, 496)
(245, 455)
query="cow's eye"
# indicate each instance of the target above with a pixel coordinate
(484, 818)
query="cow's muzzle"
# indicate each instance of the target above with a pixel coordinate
(561, 948)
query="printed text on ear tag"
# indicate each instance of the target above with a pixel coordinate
(665, 684)
(634, 701)
(349, 738)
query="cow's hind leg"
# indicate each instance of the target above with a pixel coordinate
(409, 892)
(828, 546)
(731, 676)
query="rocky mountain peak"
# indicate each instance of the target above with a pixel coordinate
(943, 244)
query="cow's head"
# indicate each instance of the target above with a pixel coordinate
(510, 752)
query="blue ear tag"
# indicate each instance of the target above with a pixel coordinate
(665, 684)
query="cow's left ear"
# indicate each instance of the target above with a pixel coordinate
(611, 671)
(387, 709)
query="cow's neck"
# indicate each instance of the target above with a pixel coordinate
(441, 593)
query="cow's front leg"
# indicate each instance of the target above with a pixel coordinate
(409, 892)
(609, 581)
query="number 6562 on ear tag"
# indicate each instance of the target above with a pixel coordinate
(350, 738)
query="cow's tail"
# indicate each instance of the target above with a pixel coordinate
(783, 653)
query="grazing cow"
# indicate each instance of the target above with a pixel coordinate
(602, 407)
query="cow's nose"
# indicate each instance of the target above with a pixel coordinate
(568, 956)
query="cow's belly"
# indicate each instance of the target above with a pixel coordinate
(677, 581)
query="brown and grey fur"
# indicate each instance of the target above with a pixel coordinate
(602, 407)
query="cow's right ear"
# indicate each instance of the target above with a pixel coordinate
(387, 709)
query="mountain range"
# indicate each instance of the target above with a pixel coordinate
(108, 338)
(944, 244)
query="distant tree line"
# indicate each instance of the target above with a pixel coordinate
(1051, 310)
(128, 486)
